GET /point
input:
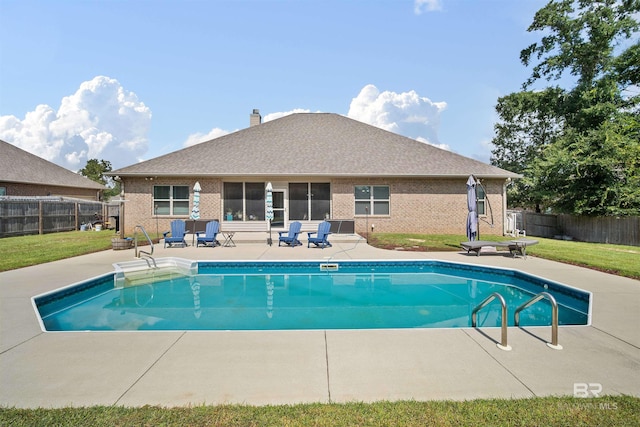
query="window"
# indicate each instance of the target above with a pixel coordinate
(255, 201)
(3, 191)
(298, 201)
(171, 199)
(372, 199)
(244, 201)
(481, 200)
(320, 200)
(309, 200)
(233, 196)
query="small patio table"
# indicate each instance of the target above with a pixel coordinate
(228, 239)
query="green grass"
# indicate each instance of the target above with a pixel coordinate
(23, 251)
(548, 411)
(615, 259)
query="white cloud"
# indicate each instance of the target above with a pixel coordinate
(420, 6)
(197, 138)
(100, 121)
(404, 113)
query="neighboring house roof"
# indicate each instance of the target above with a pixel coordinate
(313, 144)
(19, 166)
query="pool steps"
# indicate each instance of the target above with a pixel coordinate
(138, 272)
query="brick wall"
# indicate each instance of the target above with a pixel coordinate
(433, 206)
(19, 189)
(436, 206)
(139, 209)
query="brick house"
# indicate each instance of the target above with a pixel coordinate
(321, 166)
(26, 175)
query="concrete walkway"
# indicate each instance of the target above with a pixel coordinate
(40, 369)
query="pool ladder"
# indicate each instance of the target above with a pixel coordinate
(503, 341)
(140, 253)
(474, 315)
(554, 316)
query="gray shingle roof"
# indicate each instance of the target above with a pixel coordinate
(313, 144)
(17, 165)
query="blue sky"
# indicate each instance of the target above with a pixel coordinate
(129, 80)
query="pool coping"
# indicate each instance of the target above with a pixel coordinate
(179, 368)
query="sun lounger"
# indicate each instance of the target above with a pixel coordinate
(516, 247)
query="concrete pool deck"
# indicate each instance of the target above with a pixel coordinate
(42, 369)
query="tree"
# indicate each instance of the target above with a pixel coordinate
(95, 170)
(581, 37)
(528, 123)
(602, 166)
(578, 144)
(627, 69)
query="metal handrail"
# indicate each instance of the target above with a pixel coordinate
(503, 342)
(135, 242)
(554, 316)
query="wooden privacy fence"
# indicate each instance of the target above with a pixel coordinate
(614, 230)
(20, 217)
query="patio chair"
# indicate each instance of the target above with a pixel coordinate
(321, 235)
(291, 238)
(178, 229)
(209, 236)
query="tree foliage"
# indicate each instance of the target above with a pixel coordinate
(529, 124)
(592, 173)
(95, 170)
(577, 147)
(580, 38)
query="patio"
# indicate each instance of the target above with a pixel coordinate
(40, 369)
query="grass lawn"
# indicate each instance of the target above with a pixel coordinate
(547, 411)
(23, 251)
(615, 259)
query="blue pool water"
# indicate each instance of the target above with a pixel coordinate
(299, 295)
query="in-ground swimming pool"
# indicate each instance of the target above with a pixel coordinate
(270, 295)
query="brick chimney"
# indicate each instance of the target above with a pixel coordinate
(255, 118)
